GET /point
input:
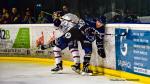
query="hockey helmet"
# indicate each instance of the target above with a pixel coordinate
(102, 19)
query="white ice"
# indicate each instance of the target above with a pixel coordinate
(32, 73)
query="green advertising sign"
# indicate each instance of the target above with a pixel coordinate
(22, 39)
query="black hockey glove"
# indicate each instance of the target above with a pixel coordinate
(101, 53)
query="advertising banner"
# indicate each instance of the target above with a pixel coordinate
(133, 51)
(127, 46)
(24, 39)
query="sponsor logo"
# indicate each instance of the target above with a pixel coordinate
(123, 46)
(4, 34)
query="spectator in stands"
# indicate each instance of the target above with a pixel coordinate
(42, 18)
(28, 18)
(5, 16)
(15, 16)
(65, 9)
(131, 18)
(117, 19)
(0, 17)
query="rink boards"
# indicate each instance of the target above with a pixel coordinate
(129, 53)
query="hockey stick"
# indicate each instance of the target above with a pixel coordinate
(123, 34)
(51, 15)
(47, 13)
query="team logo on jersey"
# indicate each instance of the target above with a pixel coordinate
(68, 35)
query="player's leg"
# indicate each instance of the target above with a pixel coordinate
(75, 35)
(73, 47)
(60, 44)
(58, 59)
(87, 46)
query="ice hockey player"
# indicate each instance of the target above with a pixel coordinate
(93, 30)
(100, 27)
(68, 39)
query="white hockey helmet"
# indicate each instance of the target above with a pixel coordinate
(71, 18)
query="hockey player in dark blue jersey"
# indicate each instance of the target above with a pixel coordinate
(97, 30)
(100, 27)
(93, 30)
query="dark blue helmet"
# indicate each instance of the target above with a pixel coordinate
(102, 19)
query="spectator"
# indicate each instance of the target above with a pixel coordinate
(131, 18)
(42, 18)
(0, 17)
(5, 16)
(28, 18)
(15, 16)
(117, 19)
(65, 9)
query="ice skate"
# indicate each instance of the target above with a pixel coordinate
(58, 68)
(86, 71)
(76, 68)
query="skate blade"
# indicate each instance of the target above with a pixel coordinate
(57, 72)
(77, 71)
(86, 74)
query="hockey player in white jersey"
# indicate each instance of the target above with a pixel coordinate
(71, 34)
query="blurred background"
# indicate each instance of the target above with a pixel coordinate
(118, 9)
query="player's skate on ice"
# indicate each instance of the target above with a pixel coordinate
(76, 68)
(58, 67)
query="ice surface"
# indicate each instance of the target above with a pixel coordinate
(32, 73)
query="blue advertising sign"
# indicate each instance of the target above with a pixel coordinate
(133, 51)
